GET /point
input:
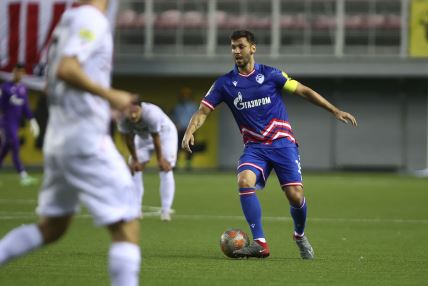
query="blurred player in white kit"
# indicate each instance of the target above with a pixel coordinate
(148, 129)
(82, 164)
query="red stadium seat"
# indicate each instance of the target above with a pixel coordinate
(169, 19)
(236, 22)
(324, 22)
(126, 19)
(297, 22)
(194, 19)
(354, 22)
(255, 22)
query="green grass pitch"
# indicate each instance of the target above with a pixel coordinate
(366, 229)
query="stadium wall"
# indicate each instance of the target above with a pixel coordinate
(392, 115)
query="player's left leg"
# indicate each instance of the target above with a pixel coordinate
(287, 167)
(4, 149)
(169, 141)
(13, 141)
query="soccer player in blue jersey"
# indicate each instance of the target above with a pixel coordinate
(253, 93)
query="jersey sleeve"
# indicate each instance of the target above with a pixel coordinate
(26, 107)
(153, 121)
(214, 96)
(85, 36)
(283, 81)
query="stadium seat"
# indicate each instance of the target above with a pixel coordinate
(169, 19)
(354, 22)
(255, 22)
(324, 22)
(221, 19)
(141, 21)
(393, 22)
(126, 18)
(297, 21)
(194, 19)
(236, 22)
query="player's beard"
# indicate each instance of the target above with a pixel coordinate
(242, 62)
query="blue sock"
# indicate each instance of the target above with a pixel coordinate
(299, 218)
(252, 211)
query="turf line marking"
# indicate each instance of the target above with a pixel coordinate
(155, 212)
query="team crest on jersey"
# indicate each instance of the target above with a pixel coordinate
(235, 83)
(15, 100)
(260, 78)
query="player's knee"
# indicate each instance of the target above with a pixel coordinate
(51, 233)
(245, 182)
(125, 231)
(294, 195)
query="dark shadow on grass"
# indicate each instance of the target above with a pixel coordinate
(223, 258)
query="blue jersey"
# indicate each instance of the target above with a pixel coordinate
(256, 103)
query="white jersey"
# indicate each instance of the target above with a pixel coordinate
(153, 120)
(79, 121)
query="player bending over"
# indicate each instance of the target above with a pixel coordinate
(253, 93)
(148, 129)
(82, 164)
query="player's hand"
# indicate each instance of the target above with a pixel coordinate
(164, 165)
(188, 140)
(120, 100)
(34, 128)
(346, 117)
(134, 166)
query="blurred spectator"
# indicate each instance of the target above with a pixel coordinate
(13, 104)
(181, 115)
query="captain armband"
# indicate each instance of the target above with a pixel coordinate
(291, 84)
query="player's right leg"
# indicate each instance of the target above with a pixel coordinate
(252, 172)
(167, 182)
(106, 189)
(56, 206)
(124, 253)
(27, 238)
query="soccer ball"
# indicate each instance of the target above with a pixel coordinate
(233, 239)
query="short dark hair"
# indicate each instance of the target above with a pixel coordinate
(20, 66)
(243, 34)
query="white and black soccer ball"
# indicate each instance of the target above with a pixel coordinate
(233, 239)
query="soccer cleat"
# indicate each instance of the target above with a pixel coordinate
(253, 250)
(165, 216)
(28, 181)
(306, 250)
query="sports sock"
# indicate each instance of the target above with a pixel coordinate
(19, 242)
(139, 186)
(299, 219)
(252, 211)
(167, 190)
(124, 264)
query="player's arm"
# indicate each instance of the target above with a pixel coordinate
(34, 126)
(195, 123)
(164, 165)
(312, 96)
(71, 72)
(134, 165)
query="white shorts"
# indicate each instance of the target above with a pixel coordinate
(168, 139)
(102, 182)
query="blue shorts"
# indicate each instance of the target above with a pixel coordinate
(285, 161)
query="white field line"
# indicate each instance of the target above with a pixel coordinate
(151, 211)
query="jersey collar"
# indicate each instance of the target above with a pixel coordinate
(256, 68)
